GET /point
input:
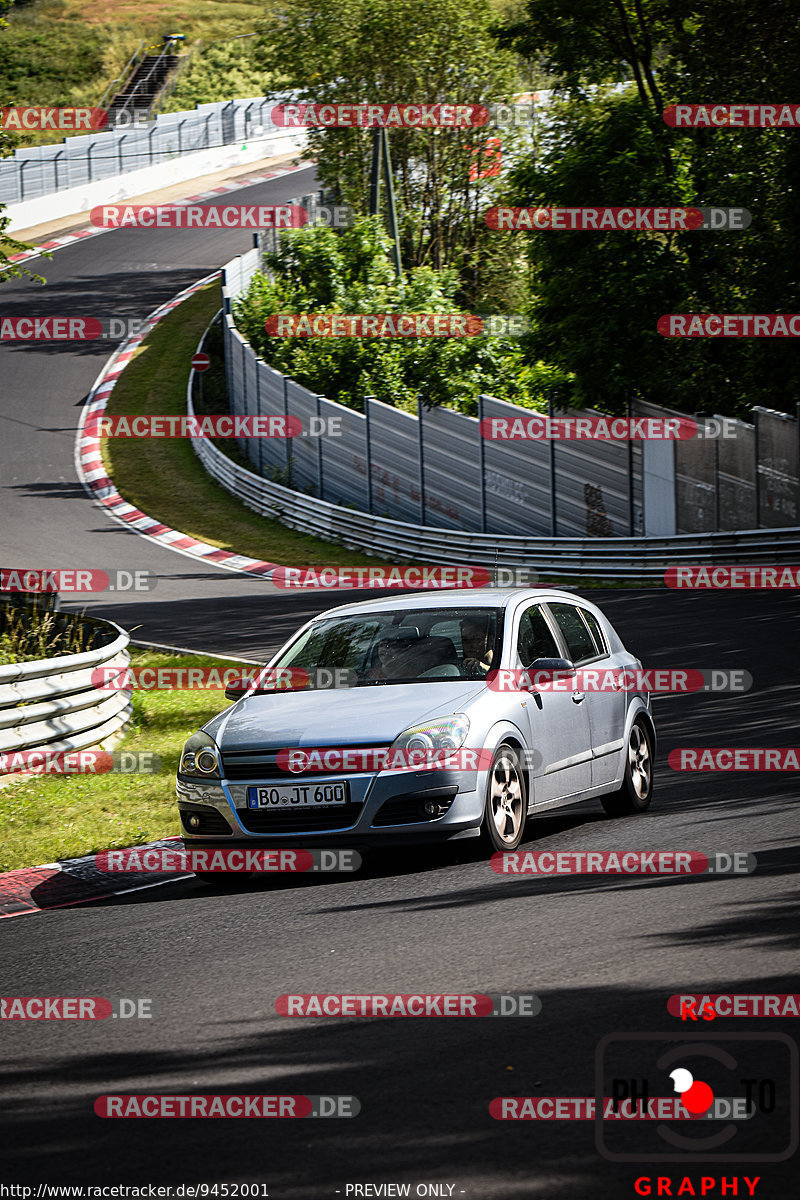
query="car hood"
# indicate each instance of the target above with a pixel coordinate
(337, 717)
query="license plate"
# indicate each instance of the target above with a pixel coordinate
(298, 795)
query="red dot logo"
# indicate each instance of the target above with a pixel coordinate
(696, 1097)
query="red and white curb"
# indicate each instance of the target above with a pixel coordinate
(80, 234)
(92, 473)
(74, 881)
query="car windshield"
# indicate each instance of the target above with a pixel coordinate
(398, 646)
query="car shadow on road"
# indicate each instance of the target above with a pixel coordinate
(424, 1085)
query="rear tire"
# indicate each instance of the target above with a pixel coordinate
(506, 804)
(636, 792)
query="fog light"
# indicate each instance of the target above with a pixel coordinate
(193, 821)
(430, 808)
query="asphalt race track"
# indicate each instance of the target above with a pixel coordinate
(602, 953)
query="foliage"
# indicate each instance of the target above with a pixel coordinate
(597, 297)
(398, 51)
(318, 270)
(27, 635)
(222, 71)
(42, 61)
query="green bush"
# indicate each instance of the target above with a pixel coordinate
(322, 271)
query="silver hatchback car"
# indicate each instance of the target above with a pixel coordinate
(426, 717)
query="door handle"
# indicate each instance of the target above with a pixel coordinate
(577, 697)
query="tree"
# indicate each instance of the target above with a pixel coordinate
(598, 297)
(9, 246)
(400, 51)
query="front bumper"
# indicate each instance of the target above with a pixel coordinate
(385, 808)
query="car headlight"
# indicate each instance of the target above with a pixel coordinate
(447, 734)
(200, 756)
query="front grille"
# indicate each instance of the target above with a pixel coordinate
(211, 820)
(408, 809)
(255, 766)
(299, 821)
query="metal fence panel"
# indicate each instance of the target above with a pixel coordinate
(592, 481)
(252, 445)
(77, 152)
(394, 462)
(516, 477)
(451, 469)
(305, 451)
(695, 486)
(736, 466)
(274, 451)
(344, 459)
(778, 468)
(238, 353)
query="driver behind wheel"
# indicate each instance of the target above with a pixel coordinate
(477, 636)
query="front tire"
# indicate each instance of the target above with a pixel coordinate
(636, 792)
(506, 804)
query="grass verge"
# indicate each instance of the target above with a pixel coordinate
(46, 818)
(154, 383)
(163, 476)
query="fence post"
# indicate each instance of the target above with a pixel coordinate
(553, 520)
(288, 440)
(630, 472)
(482, 464)
(368, 440)
(319, 446)
(757, 450)
(420, 409)
(258, 414)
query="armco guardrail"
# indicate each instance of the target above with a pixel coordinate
(52, 704)
(434, 468)
(601, 558)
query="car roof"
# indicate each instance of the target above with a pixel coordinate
(454, 598)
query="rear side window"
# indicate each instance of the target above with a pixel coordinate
(534, 639)
(576, 633)
(595, 630)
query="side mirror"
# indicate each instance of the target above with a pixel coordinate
(236, 689)
(562, 665)
(547, 675)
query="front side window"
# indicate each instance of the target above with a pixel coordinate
(534, 639)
